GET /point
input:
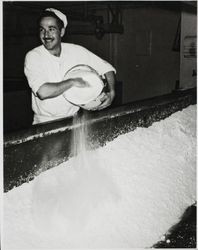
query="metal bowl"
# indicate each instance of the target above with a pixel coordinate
(85, 97)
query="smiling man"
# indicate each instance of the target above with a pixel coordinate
(46, 65)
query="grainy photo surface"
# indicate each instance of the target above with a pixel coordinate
(99, 124)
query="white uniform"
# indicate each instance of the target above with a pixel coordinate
(41, 67)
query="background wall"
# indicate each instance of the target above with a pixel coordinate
(146, 55)
(146, 61)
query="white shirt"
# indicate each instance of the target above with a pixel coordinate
(41, 67)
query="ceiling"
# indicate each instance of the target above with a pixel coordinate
(86, 10)
(97, 5)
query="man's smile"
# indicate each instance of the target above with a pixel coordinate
(47, 40)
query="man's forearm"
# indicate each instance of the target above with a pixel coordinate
(110, 77)
(53, 89)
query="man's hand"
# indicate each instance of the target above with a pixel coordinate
(79, 82)
(108, 96)
(106, 100)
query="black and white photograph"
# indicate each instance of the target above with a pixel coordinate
(99, 125)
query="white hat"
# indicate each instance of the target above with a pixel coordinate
(59, 14)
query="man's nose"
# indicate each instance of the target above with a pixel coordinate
(46, 33)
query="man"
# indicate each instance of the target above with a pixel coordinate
(46, 65)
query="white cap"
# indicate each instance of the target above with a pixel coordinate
(59, 14)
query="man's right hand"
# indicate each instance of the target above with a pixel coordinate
(80, 83)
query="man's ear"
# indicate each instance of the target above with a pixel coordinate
(62, 32)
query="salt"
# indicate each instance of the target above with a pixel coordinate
(135, 188)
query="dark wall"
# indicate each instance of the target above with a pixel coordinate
(143, 56)
(147, 64)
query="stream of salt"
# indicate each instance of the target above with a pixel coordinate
(70, 201)
(126, 194)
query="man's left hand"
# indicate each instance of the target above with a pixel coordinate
(106, 100)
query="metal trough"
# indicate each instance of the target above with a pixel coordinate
(29, 152)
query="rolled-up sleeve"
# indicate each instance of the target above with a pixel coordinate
(33, 70)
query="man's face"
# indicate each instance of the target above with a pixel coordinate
(50, 34)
